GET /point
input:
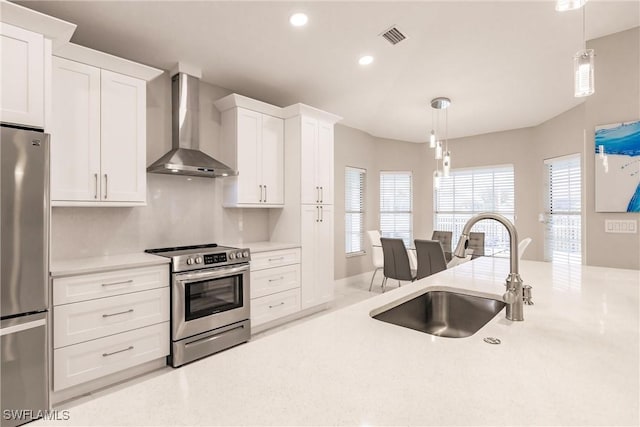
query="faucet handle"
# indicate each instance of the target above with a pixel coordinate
(509, 297)
(526, 294)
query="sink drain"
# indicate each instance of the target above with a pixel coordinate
(492, 340)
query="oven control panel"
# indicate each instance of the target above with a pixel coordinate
(215, 258)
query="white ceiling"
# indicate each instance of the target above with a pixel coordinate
(504, 65)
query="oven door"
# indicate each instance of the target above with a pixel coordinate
(207, 299)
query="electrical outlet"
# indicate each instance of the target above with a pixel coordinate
(621, 226)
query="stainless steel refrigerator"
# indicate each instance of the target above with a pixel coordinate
(24, 265)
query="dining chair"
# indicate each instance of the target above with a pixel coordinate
(376, 253)
(431, 258)
(522, 246)
(476, 242)
(396, 261)
(445, 238)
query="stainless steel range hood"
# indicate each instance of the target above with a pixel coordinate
(185, 158)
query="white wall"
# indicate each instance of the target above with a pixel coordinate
(180, 210)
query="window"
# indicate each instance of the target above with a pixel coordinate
(354, 210)
(396, 201)
(563, 208)
(466, 192)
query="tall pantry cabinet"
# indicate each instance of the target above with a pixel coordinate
(308, 214)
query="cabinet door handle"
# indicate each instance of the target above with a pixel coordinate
(106, 186)
(95, 193)
(276, 259)
(317, 214)
(116, 352)
(265, 193)
(260, 192)
(277, 305)
(317, 194)
(321, 214)
(116, 314)
(276, 280)
(118, 283)
(321, 194)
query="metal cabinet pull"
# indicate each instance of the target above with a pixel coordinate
(106, 186)
(116, 352)
(317, 194)
(276, 259)
(265, 193)
(277, 305)
(95, 193)
(260, 192)
(317, 213)
(278, 279)
(118, 283)
(116, 314)
(321, 214)
(321, 194)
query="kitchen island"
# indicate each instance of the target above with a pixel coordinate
(574, 360)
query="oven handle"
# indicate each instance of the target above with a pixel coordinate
(211, 274)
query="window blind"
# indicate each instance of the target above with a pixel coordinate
(563, 235)
(396, 202)
(354, 180)
(466, 192)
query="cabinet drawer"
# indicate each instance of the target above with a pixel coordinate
(273, 280)
(80, 363)
(87, 320)
(91, 286)
(274, 306)
(270, 259)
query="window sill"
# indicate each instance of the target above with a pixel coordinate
(355, 254)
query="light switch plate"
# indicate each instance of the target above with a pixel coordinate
(621, 226)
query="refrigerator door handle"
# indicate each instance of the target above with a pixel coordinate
(22, 327)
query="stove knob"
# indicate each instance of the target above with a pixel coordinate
(198, 260)
(246, 254)
(189, 261)
(232, 255)
(239, 255)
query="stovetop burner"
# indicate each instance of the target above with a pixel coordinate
(192, 257)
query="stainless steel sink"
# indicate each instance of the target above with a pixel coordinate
(442, 313)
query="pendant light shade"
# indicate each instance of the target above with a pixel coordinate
(436, 179)
(446, 163)
(432, 139)
(583, 68)
(438, 155)
(564, 5)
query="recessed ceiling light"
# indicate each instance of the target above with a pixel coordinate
(298, 19)
(365, 60)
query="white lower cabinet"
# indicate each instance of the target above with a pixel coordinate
(272, 307)
(317, 255)
(93, 359)
(107, 322)
(275, 285)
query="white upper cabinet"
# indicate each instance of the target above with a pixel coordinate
(98, 133)
(253, 144)
(123, 132)
(316, 141)
(22, 76)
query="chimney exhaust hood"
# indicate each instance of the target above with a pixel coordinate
(185, 158)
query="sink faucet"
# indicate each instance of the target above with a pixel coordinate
(514, 296)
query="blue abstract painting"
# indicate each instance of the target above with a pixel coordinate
(617, 156)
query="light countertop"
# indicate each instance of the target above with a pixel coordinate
(76, 266)
(574, 360)
(256, 247)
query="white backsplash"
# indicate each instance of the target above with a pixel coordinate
(180, 211)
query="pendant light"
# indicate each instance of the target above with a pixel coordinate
(441, 153)
(583, 60)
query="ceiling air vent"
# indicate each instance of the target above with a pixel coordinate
(393, 35)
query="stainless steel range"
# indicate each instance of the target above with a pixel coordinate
(209, 300)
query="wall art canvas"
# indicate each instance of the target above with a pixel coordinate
(617, 153)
